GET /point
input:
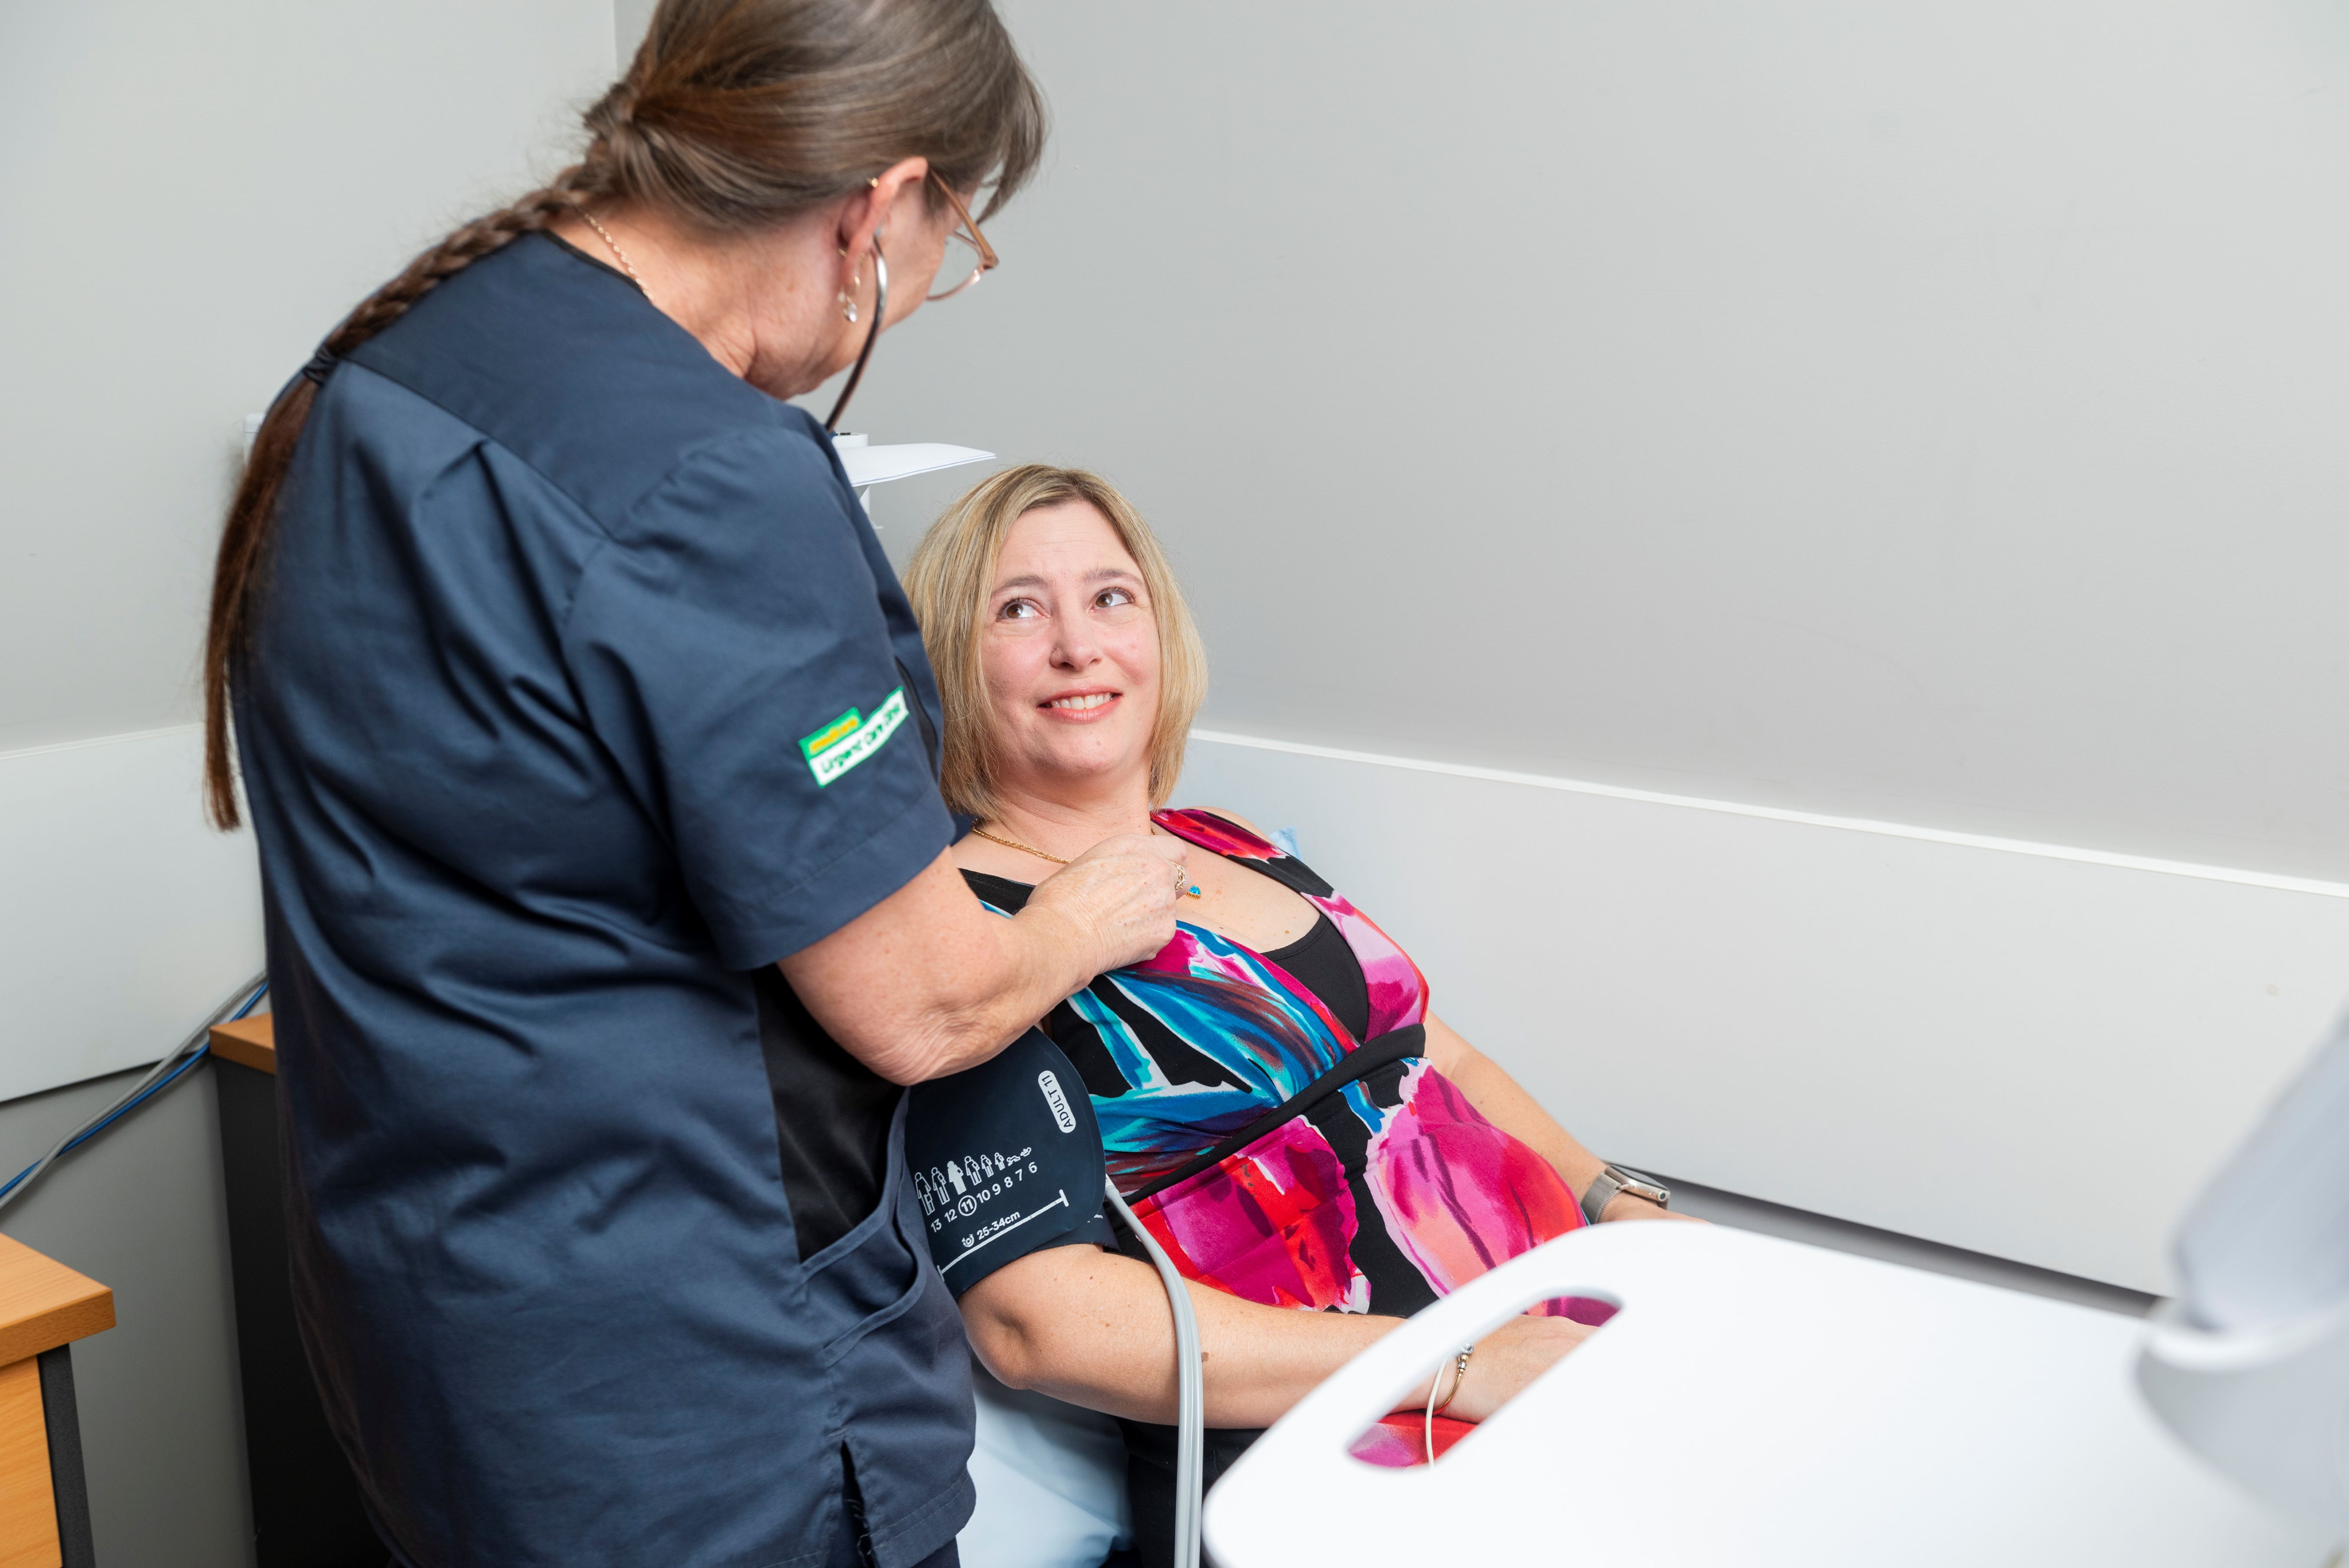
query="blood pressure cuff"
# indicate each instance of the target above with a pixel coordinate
(1007, 1159)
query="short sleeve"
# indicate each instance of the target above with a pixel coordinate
(730, 649)
(1007, 1161)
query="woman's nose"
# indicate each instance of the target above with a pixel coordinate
(1073, 650)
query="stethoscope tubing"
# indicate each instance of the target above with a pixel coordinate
(872, 336)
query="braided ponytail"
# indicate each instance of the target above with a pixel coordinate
(735, 115)
(237, 570)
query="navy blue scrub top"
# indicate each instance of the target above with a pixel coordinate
(580, 694)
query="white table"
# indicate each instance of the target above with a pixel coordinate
(1757, 1402)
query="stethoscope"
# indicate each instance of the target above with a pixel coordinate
(872, 336)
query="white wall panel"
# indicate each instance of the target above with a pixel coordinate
(123, 918)
(2031, 1051)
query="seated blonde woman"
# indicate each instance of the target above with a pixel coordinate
(1320, 1154)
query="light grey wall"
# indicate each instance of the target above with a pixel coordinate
(140, 1209)
(1929, 413)
(194, 195)
(630, 19)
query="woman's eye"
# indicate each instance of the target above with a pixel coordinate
(1112, 598)
(1018, 610)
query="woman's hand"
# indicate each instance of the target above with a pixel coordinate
(1506, 1360)
(1091, 1327)
(1118, 896)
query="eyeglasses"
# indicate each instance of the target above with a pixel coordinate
(966, 246)
(981, 260)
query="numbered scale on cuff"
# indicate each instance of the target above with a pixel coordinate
(1007, 1159)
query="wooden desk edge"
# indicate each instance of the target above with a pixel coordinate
(248, 1042)
(44, 1303)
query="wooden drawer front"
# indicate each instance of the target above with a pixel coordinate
(28, 1510)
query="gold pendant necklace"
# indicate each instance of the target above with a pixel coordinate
(1190, 892)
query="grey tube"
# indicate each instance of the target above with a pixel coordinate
(1190, 1390)
(180, 1053)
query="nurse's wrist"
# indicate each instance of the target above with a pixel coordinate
(1062, 947)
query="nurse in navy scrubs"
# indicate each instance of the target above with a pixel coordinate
(589, 744)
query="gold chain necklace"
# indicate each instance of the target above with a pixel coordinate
(1190, 892)
(614, 246)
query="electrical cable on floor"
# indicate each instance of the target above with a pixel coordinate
(1190, 1390)
(160, 1076)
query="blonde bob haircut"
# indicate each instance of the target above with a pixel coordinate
(952, 577)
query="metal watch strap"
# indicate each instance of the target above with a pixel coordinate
(1614, 1179)
(1598, 1194)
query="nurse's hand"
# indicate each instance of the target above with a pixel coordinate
(927, 982)
(1120, 894)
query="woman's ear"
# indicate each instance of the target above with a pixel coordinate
(867, 214)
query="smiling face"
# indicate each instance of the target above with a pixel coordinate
(1069, 653)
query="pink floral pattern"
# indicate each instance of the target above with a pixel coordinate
(1188, 1055)
(1274, 1223)
(1458, 1194)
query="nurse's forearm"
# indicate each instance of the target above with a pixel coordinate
(929, 982)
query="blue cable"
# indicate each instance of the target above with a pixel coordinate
(135, 1101)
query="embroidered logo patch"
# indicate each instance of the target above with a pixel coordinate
(851, 738)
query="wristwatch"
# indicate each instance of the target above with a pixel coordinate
(1614, 1179)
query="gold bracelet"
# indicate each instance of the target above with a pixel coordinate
(1459, 1378)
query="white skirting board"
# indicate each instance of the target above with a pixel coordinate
(124, 919)
(2031, 1051)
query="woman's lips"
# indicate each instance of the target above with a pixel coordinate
(1079, 708)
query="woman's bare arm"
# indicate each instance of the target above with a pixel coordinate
(1506, 1104)
(1093, 1327)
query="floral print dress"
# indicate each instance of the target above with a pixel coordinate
(1281, 1153)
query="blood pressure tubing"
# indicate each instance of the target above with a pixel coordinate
(1190, 1392)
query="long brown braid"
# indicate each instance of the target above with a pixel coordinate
(734, 115)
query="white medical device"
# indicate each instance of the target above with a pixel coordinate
(2251, 1368)
(1759, 1403)
(869, 465)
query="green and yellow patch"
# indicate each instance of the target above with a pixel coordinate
(851, 739)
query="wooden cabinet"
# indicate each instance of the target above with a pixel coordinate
(305, 1504)
(45, 1307)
